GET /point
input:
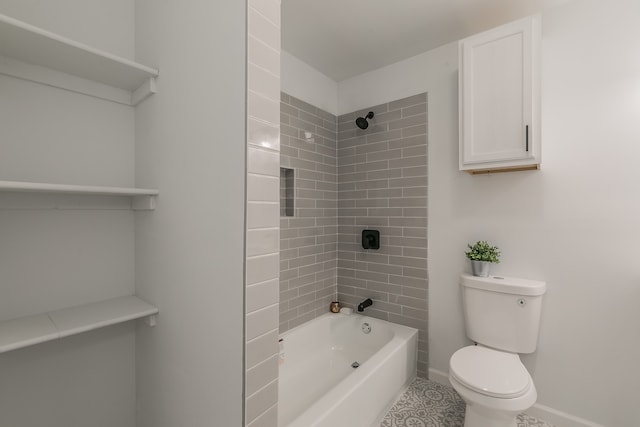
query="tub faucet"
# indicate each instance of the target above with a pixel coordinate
(364, 304)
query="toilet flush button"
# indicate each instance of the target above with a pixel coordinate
(522, 302)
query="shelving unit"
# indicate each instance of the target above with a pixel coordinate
(39, 328)
(35, 54)
(142, 198)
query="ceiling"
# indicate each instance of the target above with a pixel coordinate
(344, 38)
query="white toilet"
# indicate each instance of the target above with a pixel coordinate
(502, 315)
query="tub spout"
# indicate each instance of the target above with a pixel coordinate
(364, 304)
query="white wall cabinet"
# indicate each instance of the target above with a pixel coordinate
(499, 98)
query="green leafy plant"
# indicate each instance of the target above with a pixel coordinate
(483, 251)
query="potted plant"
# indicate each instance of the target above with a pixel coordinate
(482, 254)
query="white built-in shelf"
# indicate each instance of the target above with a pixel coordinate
(39, 328)
(143, 198)
(27, 49)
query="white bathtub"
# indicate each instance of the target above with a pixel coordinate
(317, 384)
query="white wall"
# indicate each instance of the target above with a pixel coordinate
(55, 258)
(305, 82)
(574, 223)
(190, 144)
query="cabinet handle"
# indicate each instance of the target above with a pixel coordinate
(526, 138)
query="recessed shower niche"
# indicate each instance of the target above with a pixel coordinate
(286, 191)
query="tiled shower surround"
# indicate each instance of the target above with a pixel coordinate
(380, 183)
(308, 240)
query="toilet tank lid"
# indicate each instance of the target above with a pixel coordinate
(507, 285)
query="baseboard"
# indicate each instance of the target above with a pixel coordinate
(439, 377)
(542, 412)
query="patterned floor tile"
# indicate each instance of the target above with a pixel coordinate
(430, 404)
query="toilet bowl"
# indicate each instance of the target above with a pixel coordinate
(494, 384)
(502, 316)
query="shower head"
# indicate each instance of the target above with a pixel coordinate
(362, 122)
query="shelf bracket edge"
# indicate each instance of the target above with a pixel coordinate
(143, 203)
(146, 89)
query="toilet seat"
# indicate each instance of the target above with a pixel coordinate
(490, 372)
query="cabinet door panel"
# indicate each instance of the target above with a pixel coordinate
(496, 97)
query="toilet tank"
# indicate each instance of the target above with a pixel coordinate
(502, 312)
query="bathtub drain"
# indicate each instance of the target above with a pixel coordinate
(355, 365)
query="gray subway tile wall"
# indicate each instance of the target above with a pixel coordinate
(382, 184)
(308, 240)
(347, 180)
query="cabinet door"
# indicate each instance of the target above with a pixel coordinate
(498, 102)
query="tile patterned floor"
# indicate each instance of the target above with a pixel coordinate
(430, 404)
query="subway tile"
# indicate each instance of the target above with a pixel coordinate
(311, 118)
(406, 321)
(370, 203)
(372, 166)
(385, 268)
(353, 177)
(414, 110)
(414, 232)
(261, 401)
(375, 184)
(263, 241)
(410, 302)
(386, 173)
(263, 56)
(414, 212)
(301, 319)
(420, 273)
(352, 160)
(262, 134)
(261, 295)
(262, 268)
(385, 306)
(261, 187)
(261, 375)
(288, 110)
(415, 252)
(408, 162)
(389, 212)
(414, 192)
(269, 418)
(415, 171)
(419, 314)
(302, 125)
(388, 116)
(413, 282)
(261, 108)
(408, 262)
(270, 9)
(407, 182)
(414, 130)
(263, 29)
(410, 202)
(384, 136)
(371, 275)
(408, 122)
(261, 348)
(262, 82)
(263, 162)
(262, 215)
(261, 321)
(418, 150)
(411, 141)
(362, 184)
(384, 287)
